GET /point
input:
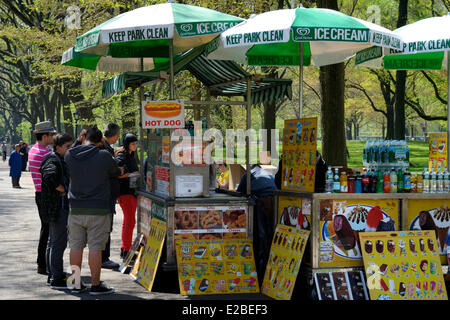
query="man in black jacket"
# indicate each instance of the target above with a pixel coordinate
(90, 200)
(55, 207)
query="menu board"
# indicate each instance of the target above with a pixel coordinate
(403, 265)
(294, 212)
(299, 154)
(286, 253)
(438, 151)
(432, 214)
(150, 256)
(210, 222)
(216, 267)
(348, 285)
(342, 220)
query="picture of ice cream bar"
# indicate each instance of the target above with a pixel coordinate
(410, 289)
(344, 233)
(368, 246)
(384, 285)
(401, 289)
(412, 246)
(379, 246)
(422, 245)
(432, 286)
(383, 269)
(425, 287)
(391, 246)
(430, 245)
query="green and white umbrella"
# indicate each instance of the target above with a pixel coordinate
(148, 31)
(281, 37)
(426, 47)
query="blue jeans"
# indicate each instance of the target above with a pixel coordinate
(57, 245)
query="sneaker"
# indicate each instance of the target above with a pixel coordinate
(108, 264)
(101, 289)
(42, 271)
(80, 290)
(49, 280)
(60, 284)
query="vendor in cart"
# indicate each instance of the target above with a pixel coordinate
(224, 179)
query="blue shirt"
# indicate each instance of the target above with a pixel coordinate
(262, 182)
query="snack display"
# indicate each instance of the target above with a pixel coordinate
(151, 254)
(294, 212)
(407, 271)
(285, 257)
(216, 266)
(341, 286)
(299, 154)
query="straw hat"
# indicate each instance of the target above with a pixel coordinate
(44, 127)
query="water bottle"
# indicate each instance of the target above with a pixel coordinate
(358, 183)
(446, 182)
(336, 182)
(433, 181)
(426, 180)
(329, 181)
(440, 181)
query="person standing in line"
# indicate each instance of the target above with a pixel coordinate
(55, 206)
(89, 219)
(4, 151)
(126, 158)
(110, 137)
(15, 163)
(44, 132)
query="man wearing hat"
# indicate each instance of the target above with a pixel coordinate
(44, 132)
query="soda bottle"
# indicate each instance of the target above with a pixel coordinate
(343, 181)
(433, 181)
(365, 182)
(329, 181)
(413, 183)
(426, 180)
(373, 182)
(407, 181)
(393, 181)
(386, 182)
(379, 181)
(358, 183)
(400, 182)
(419, 183)
(336, 182)
(351, 183)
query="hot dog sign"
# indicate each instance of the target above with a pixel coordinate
(163, 114)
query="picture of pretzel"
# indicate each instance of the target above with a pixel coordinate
(235, 219)
(186, 219)
(211, 219)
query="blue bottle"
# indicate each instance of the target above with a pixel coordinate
(358, 183)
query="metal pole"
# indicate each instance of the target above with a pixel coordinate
(300, 84)
(448, 105)
(172, 94)
(249, 122)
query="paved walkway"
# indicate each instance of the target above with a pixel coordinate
(19, 234)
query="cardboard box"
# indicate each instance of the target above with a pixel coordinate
(236, 173)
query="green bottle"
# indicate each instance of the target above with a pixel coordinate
(400, 181)
(379, 181)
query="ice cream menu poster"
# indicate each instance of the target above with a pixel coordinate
(403, 265)
(342, 220)
(348, 285)
(430, 214)
(438, 151)
(151, 254)
(285, 257)
(216, 267)
(299, 154)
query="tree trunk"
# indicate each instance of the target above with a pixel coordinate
(400, 84)
(332, 107)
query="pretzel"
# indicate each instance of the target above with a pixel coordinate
(210, 220)
(189, 220)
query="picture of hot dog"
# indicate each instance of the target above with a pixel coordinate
(163, 109)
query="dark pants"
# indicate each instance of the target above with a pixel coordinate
(15, 181)
(43, 236)
(4, 156)
(57, 244)
(107, 252)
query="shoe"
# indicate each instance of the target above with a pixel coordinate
(101, 289)
(60, 284)
(42, 271)
(108, 264)
(49, 280)
(76, 290)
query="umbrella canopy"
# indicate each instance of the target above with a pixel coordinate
(425, 47)
(272, 38)
(147, 31)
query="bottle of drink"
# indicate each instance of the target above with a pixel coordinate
(358, 183)
(400, 182)
(336, 182)
(393, 181)
(433, 181)
(379, 181)
(351, 183)
(365, 182)
(446, 184)
(373, 182)
(343, 181)
(439, 181)
(419, 183)
(413, 183)
(386, 182)
(407, 181)
(426, 180)
(329, 181)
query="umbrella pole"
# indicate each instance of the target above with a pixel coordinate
(171, 80)
(300, 81)
(249, 123)
(448, 105)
